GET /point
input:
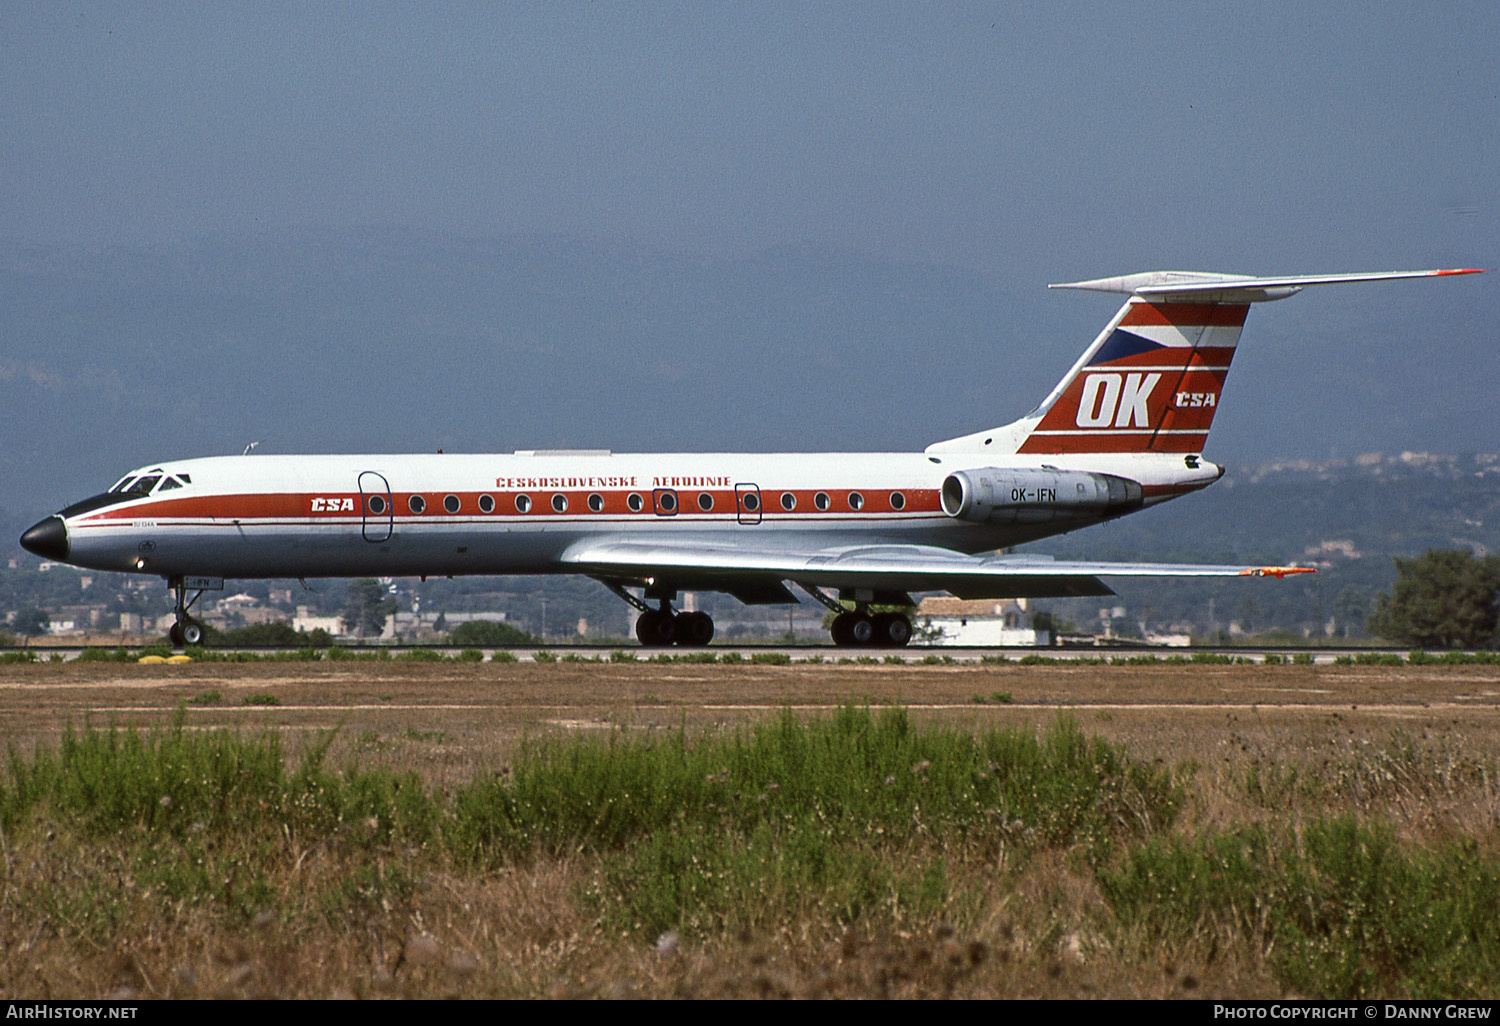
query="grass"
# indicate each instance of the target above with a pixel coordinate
(1344, 909)
(859, 853)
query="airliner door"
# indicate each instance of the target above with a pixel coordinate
(747, 503)
(375, 506)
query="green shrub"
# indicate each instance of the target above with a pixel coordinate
(421, 655)
(490, 634)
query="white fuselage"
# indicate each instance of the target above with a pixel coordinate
(393, 515)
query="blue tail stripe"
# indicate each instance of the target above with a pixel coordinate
(1121, 344)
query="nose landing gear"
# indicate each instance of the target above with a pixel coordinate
(186, 631)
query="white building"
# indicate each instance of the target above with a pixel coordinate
(978, 622)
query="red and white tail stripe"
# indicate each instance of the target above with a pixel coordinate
(1153, 379)
(1150, 383)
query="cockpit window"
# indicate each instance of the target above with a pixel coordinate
(142, 485)
(119, 485)
(185, 479)
(170, 482)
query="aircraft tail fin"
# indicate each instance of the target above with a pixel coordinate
(1152, 380)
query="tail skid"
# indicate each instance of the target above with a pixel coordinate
(1151, 381)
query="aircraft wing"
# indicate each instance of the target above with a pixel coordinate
(886, 568)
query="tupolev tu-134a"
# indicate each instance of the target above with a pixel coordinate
(1123, 430)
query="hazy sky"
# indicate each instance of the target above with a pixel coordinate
(1050, 140)
(1009, 144)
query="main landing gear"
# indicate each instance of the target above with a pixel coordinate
(186, 631)
(662, 626)
(657, 628)
(860, 627)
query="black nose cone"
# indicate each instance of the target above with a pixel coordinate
(48, 539)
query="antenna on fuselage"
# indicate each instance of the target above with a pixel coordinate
(252, 445)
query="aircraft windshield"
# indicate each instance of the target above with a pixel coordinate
(141, 485)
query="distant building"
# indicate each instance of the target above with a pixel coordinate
(963, 622)
(306, 621)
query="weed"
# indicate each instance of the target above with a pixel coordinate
(421, 655)
(1343, 908)
(261, 699)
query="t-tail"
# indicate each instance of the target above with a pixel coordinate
(1152, 380)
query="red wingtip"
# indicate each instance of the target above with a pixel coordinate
(1462, 270)
(1277, 572)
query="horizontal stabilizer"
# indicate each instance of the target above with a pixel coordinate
(1207, 286)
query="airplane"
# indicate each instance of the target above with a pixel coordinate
(1122, 431)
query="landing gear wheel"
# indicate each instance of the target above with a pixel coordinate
(862, 629)
(853, 629)
(656, 629)
(892, 630)
(174, 635)
(694, 629)
(840, 630)
(192, 633)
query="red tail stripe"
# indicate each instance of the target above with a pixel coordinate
(1173, 356)
(1186, 315)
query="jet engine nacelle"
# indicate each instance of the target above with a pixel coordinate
(998, 495)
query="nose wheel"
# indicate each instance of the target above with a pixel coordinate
(186, 631)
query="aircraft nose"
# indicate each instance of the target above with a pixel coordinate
(48, 539)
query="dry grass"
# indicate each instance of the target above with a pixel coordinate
(1414, 747)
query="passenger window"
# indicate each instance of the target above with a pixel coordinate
(451, 503)
(486, 504)
(788, 501)
(635, 502)
(596, 502)
(821, 500)
(856, 501)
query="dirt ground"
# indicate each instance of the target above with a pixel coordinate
(451, 721)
